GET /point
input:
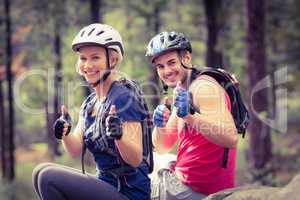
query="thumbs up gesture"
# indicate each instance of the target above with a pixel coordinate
(167, 102)
(113, 124)
(161, 114)
(62, 126)
(182, 100)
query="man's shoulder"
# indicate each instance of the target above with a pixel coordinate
(205, 84)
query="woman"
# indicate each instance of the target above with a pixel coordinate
(106, 126)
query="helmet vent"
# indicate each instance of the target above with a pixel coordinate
(100, 33)
(166, 41)
(91, 31)
(162, 39)
(82, 33)
(108, 39)
(172, 37)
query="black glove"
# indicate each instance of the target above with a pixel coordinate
(59, 124)
(113, 125)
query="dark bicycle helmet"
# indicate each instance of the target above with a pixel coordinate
(167, 41)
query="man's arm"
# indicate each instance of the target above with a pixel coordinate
(214, 121)
(164, 138)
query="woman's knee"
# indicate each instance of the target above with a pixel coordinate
(36, 176)
(49, 174)
(36, 171)
(41, 166)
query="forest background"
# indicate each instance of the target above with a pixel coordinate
(257, 40)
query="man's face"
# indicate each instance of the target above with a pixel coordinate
(169, 68)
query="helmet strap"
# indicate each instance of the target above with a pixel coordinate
(190, 78)
(165, 88)
(107, 71)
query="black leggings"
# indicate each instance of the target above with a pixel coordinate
(53, 181)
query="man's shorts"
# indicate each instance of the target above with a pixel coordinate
(168, 187)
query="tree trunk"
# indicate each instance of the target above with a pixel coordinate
(260, 141)
(95, 8)
(153, 78)
(2, 131)
(273, 67)
(58, 92)
(53, 146)
(2, 123)
(9, 138)
(96, 17)
(213, 54)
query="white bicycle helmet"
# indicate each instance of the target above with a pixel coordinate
(99, 34)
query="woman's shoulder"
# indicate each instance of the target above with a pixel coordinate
(122, 90)
(90, 98)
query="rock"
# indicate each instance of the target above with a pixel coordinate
(255, 192)
(249, 192)
(290, 191)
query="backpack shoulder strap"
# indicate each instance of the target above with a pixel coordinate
(238, 109)
(231, 86)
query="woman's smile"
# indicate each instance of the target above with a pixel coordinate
(91, 73)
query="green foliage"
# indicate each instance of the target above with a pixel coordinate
(135, 21)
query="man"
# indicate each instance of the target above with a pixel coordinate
(200, 120)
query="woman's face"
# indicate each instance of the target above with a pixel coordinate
(92, 63)
(169, 69)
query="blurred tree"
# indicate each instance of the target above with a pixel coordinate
(96, 17)
(2, 122)
(213, 22)
(58, 10)
(2, 130)
(153, 77)
(96, 14)
(58, 90)
(151, 12)
(231, 40)
(2, 112)
(8, 143)
(260, 141)
(274, 23)
(283, 44)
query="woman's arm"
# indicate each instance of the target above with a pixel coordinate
(131, 143)
(72, 143)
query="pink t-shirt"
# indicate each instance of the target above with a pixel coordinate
(199, 162)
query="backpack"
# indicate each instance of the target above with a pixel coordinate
(146, 124)
(239, 111)
(98, 140)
